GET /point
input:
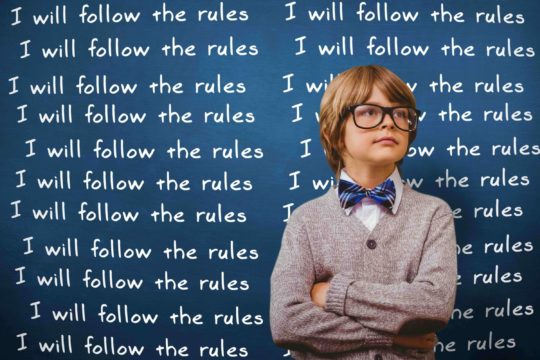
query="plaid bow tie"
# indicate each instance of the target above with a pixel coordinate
(351, 193)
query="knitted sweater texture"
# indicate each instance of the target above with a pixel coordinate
(399, 278)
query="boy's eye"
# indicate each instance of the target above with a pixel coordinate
(400, 114)
(367, 111)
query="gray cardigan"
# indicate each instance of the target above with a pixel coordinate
(398, 278)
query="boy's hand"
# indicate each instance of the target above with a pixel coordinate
(318, 293)
(422, 342)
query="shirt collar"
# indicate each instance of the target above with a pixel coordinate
(398, 183)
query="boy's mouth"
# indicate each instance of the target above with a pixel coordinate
(386, 139)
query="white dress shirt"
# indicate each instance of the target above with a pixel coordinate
(368, 211)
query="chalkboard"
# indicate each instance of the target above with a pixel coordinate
(152, 152)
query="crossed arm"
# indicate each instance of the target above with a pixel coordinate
(357, 313)
(423, 305)
(295, 321)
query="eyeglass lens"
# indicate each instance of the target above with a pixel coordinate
(370, 116)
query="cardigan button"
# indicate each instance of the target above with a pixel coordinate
(372, 244)
(378, 357)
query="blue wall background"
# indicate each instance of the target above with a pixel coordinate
(281, 140)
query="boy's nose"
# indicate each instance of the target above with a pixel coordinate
(387, 120)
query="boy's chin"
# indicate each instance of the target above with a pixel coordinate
(383, 163)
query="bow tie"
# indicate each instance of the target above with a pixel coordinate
(351, 193)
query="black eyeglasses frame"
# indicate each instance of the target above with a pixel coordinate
(386, 110)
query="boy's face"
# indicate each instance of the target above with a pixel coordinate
(362, 147)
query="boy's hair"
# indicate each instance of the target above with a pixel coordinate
(351, 87)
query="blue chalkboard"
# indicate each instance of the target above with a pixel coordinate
(152, 151)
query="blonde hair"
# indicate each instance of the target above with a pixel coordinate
(350, 87)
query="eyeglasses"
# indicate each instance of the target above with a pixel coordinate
(368, 116)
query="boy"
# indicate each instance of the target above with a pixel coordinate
(368, 270)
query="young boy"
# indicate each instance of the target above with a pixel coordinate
(368, 270)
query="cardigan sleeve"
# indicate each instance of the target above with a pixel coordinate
(424, 305)
(296, 323)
